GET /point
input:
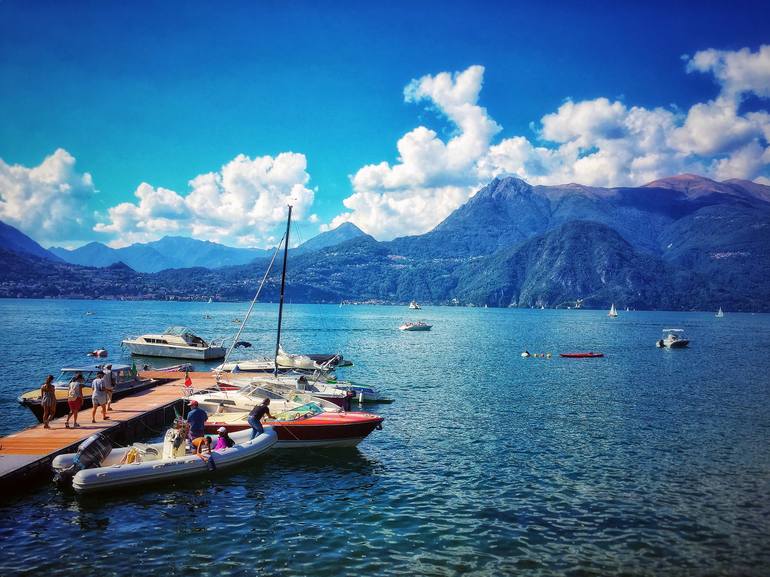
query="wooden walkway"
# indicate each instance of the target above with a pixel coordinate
(30, 452)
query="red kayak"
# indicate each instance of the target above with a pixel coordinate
(581, 355)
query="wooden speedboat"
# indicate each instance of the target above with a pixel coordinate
(126, 382)
(145, 463)
(307, 427)
(302, 420)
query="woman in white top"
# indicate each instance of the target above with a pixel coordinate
(75, 399)
(99, 397)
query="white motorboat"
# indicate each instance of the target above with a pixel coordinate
(414, 305)
(175, 342)
(613, 312)
(672, 339)
(418, 326)
(720, 313)
(144, 463)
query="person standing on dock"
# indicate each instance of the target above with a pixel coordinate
(48, 401)
(197, 417)
(99, 397)
(255, 416)
(109, 384)
(75, 399)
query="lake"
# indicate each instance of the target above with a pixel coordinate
(644, 462)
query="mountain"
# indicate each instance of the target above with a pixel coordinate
(182, 252)
(168, 252)
(680, 243)
(13, 240)
(344, 232)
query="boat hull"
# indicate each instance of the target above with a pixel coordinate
(326, 430)
(581, 355)
(175, 352)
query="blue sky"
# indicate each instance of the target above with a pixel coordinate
(160, 93)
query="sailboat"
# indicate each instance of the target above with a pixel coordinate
(209, 300)
(613, 311)
(304, 423)
(414, 305)
(720, 313)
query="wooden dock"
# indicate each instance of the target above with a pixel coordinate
(27, 455)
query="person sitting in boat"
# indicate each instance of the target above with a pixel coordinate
(200, 443)
(224, 441)
(99, 397)
(196, 418)
(256, 415)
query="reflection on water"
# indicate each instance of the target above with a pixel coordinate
(645, 462)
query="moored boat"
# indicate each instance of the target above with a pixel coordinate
(125, 381)
(175, 342)
(146, 463)
(589, 355)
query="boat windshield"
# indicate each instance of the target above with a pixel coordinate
(302, 412)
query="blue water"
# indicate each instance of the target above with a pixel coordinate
(645, 462)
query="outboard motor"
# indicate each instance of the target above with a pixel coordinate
(91, 453)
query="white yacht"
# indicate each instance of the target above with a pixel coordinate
(414, 305)
(175, 342)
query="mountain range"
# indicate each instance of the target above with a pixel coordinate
(182, 252)
(684, 242)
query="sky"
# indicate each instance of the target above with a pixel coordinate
(125, 122)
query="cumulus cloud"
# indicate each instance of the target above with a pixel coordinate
(46, 201)
(737, 72)
(597, 142)
(240, 204)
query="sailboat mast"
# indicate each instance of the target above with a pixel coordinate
(283, 287)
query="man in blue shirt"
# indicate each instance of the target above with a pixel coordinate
(197, 417)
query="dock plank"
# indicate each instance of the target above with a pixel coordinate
(35, 444)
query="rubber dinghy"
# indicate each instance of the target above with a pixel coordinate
(97, 468)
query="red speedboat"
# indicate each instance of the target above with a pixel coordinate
(581, 355)
(318, 430)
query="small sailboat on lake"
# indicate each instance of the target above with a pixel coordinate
(613, 312)
(720, 314)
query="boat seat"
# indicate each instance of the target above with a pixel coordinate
(148, 452)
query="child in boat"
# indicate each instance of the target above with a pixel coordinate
(200, 442)
(224, 441)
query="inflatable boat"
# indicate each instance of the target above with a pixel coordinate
(96, 467)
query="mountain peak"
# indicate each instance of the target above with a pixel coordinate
(344, 232)
(695, 186)
(504, 188)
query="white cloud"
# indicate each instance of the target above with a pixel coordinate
(240, 204)
(737, 72)
(593, 142)
(47, 201)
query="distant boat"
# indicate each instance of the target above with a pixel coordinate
(414, 305)
(418, 326)
(613, 312)
(626, 309)
(210, 299)
(672, 339)
(720, 313)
